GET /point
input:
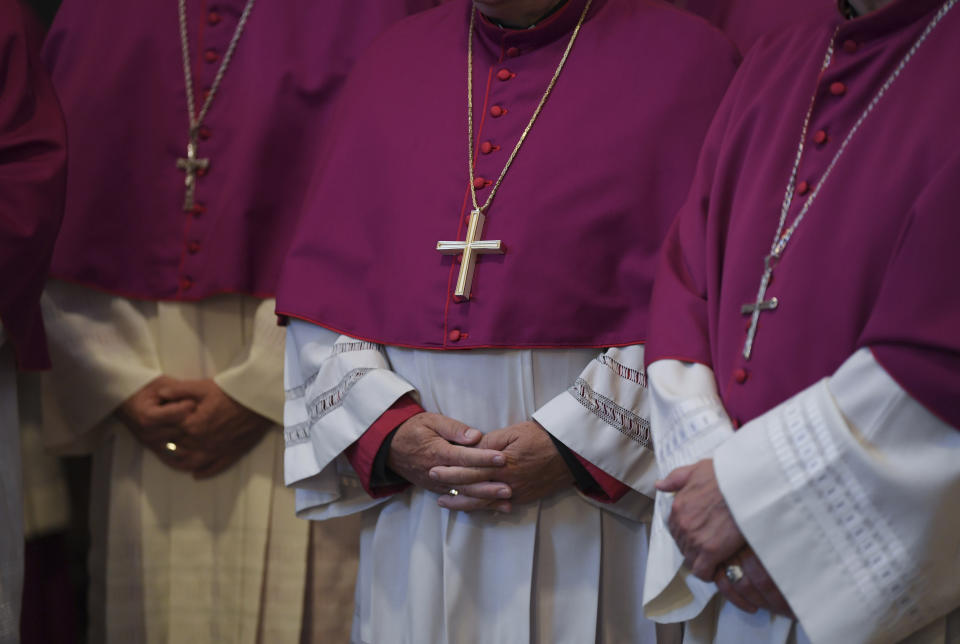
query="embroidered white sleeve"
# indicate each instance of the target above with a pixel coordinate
(848, 494)
(336, 387)
(604, 418)
(689, 423)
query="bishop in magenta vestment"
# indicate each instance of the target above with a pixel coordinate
(834, 443)
(146, 289)
(553, 329)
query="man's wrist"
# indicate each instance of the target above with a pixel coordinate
(579, 476)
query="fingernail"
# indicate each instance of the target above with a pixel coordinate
(504, 493)
(434, 475)
(499, 460)
(472, 434)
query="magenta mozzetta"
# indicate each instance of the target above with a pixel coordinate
(581, 212)
(32, 175)
(125, 229)
(872, 263)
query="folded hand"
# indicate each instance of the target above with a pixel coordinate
(427, 440)
(700, 521)
(534, 469)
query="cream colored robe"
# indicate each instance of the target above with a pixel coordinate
(175, 560)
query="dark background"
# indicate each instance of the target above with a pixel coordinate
(44, 9)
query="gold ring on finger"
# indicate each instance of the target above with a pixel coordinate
(733, 573)
(453, 492)
(171, 446)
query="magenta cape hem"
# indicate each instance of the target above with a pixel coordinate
(153, 298)
(581, 237)
(462, 347)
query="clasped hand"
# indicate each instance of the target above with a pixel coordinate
(512, 465)
(708, 537)
(210, 430)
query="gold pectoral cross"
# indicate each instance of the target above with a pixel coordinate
(191, 165)
(761, 305)
(471, 247)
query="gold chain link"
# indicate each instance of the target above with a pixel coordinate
(533, 119)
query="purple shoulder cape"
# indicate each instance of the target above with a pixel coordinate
(32, 176)
(118, 70)
(582, 211)
(874, 262)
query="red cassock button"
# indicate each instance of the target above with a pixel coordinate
(740, 376)
(206, 93)
(454, 336)
(820, 137)
(486, 147)
(211, 56)
(185, 283)
(203, 133)
(504, 74)
(838, 89)
(513, 52)
(496, 111)
(850, 46)
(193, 247)
(213, 18)
(803, 188)
(199, 209)
(479, 183)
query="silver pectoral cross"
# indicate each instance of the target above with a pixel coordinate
(191, 165)
(470, 247)
(759, 306)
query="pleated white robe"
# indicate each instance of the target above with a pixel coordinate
(565, 569)
(176, 560)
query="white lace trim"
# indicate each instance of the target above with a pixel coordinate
(322, 404)
(871, 553)
(636, 376)
(634, 427)
(696, 427)
(295, 393)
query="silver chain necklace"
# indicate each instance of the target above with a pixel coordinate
(782, 237)
(192, 165)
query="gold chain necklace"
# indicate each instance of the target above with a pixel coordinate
(533, 119)
(473, 245)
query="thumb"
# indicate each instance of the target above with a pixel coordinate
(454, 431)
(676, 480)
